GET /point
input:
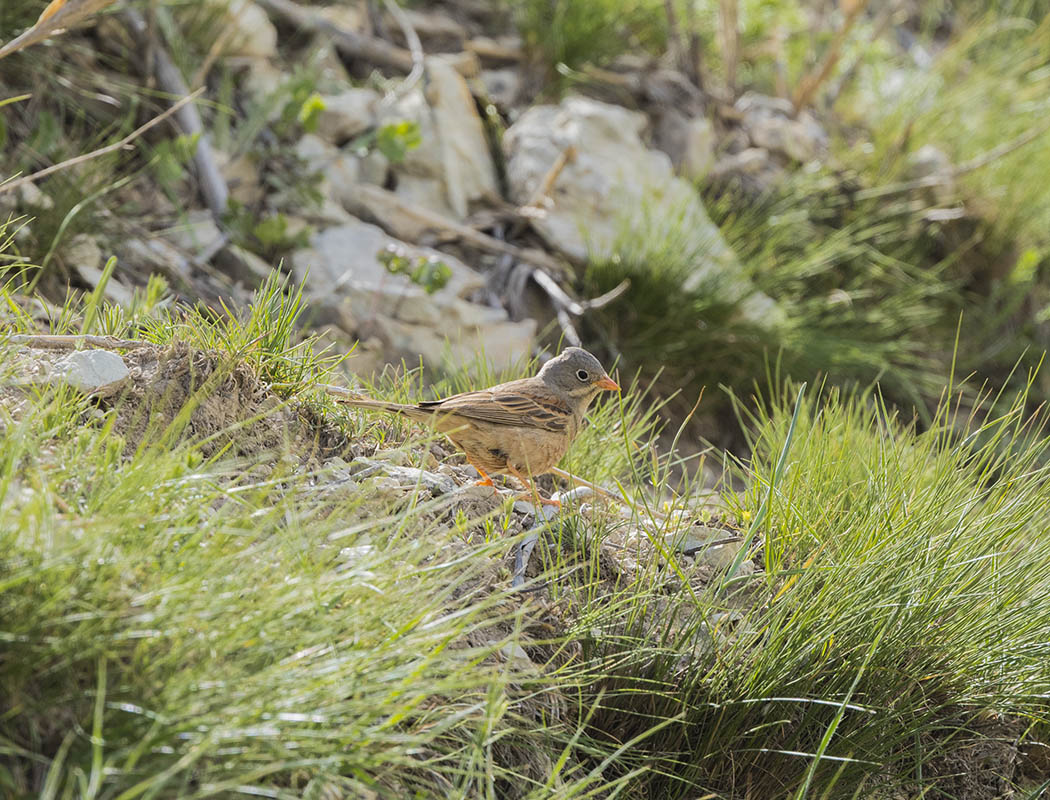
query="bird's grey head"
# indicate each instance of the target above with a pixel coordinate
(578, 374)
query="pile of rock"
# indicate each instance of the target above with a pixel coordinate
(582, 179)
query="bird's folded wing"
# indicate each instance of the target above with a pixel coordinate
(506, 407)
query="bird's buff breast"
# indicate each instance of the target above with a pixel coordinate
(532, 451)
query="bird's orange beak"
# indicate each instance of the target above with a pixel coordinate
(608, 384)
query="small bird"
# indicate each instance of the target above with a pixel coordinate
(521, 428)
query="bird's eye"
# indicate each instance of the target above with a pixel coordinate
(582, 374)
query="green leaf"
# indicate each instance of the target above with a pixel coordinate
(310, 112)
(396, 139)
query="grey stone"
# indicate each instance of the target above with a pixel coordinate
(243, 265)
(696, 538)
(98, 372)
(772, 124)
(197, 233)
(453, 148)
(502, 86)
(83, 251)
(375, 167)
(515, 653)
(255, 36)
(347, 114)
(340, 171)
(689, 142)
(155, 255)
(402, 478)
(615, 186)
(574, 495)
(341, 272)
(30, 196)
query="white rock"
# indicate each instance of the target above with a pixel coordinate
(524, 507)
(503, 86)
(469, 171)
(699, 153)
(197, 233)
(341, 269)
(83, 252)
(574, 495)
(347, 114)
(515, 653)
(348, 253)
(453, 149)
(30, 196)
(374, 168)
(339, 169)
(613, 186)
(114, 291)
(244, 265)
(156, 255)
(772, 124)
(98, 372)
(690, 143)
(255, 36)
(261, 81)
(404, 478)
(428, 192)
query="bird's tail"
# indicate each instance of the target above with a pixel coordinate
(346, 397)
(365, 402)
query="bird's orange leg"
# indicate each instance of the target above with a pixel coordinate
(535, 493)
(485, 479)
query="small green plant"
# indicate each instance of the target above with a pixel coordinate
(572, 33)
(269, 236)
(394, 140)
(430, 273)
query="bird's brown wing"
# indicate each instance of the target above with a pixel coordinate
(518, 403)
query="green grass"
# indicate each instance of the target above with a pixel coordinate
(185, 624)
(564, 35)
(860, 299)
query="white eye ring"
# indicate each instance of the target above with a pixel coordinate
(582, 374)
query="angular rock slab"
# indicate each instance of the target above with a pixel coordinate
(617, 195)
(452, 166)
(341, 271)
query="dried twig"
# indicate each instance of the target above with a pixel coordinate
(730, 41)
(976, 163)
(694, 70)
(675, 45)
(411, 221)
(213, 186)
(577, 307)
(415, 47)
(57, 16)
(109, 148)
(539, 198)
(807, 87)
(214, 52)
(69, 341)
(350, 43)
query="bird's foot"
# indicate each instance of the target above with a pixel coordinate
(486, 481)
(531, 497)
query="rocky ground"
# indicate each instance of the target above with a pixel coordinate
(510, 193)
